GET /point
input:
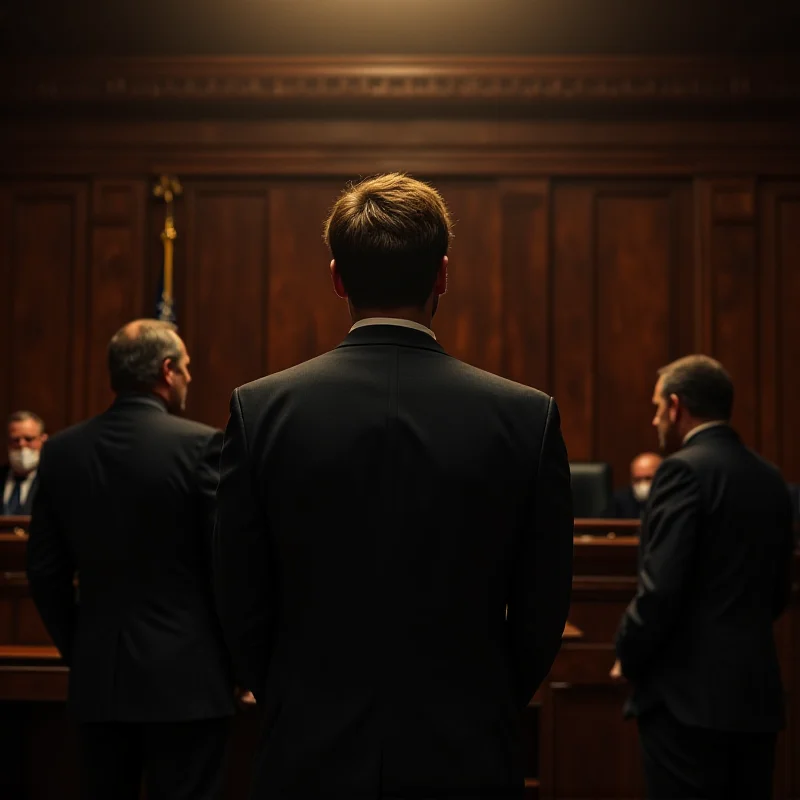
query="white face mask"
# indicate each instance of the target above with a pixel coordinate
(641, 490)
(24, 460)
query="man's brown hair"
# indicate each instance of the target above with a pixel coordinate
(388, 236)
(702, 384)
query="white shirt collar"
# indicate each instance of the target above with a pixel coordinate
(400, 323)
(704, 427)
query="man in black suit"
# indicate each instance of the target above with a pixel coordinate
(794, 493)
(629, 502)
(26, 435)
(126, 500)
(715, 562)
(379, 508)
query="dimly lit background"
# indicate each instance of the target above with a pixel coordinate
(625, 180)
(217, 27)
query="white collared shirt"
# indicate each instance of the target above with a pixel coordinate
(704, 427)
(24, 487)
(400, 323)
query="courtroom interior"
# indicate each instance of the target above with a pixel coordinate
(624, 182)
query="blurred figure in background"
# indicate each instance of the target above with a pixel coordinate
(714, 573)
(629, 502)
(126, 500)
(26, 435)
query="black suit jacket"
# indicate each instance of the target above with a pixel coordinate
(626, 506)
(378, 509)
(715, 572)
(127, 500)
(794, 493)
(28, 504)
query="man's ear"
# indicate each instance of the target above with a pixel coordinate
(338, 286)
(167, 370)
(674, 408)
(440, 286)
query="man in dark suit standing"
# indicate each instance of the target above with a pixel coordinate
(715, 562)
(126, 500)
(26, 435)
(379, 508)
(629, 502)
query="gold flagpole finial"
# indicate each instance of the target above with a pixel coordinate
(168, 187)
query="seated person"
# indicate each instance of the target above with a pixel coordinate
(25, 439)
(629, 502)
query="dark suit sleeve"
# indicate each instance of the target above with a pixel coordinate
(50, 566)
(665, 566)
(785, 565)
(242, 572)
(206, 481)
(541, 583)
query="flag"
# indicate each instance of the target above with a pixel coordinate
(165, 304)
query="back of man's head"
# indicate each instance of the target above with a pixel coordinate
(136, 354)
(702, 385)
(388, 236)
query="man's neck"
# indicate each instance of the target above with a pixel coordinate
(699, 426)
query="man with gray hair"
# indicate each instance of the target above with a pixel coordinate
(714, 573)
(26, 435)
(126, 501)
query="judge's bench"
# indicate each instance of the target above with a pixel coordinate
(578, 745)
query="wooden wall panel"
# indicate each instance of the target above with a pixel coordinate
(635, 261)
(730, 298)
(46, 288)
(305, 316)
(224, 319)
(622, 290)
(787, 221)
(6, 301)
(116, 275)
(469, 323)
(587, 763)
(780, 324)
(527, 286)
(574, 316)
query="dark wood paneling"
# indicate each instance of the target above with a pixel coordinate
(525, 246)
(45, 350)
(574, 316)
(469, 323)
(224, 317)
(116, 275)
(30, 628)
(780, 324)
(412, 84)
(7, 268)
(636, 257)
(591, 762)
(730, 296)
(622, 299)
(7, 621)
(305, 316)
(346, 146)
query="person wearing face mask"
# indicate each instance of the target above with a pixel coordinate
(126, 501)
(25, 439)
(715, 557)
(629, 502)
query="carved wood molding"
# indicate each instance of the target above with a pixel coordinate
(520, 81)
